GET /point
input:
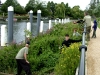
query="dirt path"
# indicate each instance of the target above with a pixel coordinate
(93, 55)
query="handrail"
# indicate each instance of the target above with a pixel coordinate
(83, 48)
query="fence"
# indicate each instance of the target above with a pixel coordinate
(83, 48)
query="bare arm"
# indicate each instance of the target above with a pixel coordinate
(25, 56)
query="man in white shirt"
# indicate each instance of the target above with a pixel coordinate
(22, 62)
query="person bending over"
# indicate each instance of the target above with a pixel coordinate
(22, 62)
(67, 42)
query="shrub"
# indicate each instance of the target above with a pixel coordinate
(68, 61)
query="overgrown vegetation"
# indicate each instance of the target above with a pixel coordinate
(68, 60)
(44, 53)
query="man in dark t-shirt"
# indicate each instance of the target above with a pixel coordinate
(67, 42)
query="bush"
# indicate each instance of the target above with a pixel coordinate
(68, 61)
(43, 52)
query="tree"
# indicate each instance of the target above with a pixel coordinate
(68, 10)
(60, 11)
(96, 11)
(30, 5)
(37, 5)
(7, 4)
(76, 12)
(49, 9)
(52, 7)
(18, 9)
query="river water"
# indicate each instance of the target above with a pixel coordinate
(20, 26)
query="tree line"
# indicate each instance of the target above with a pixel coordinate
(94, 9)
(50, 9)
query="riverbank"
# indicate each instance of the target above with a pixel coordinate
(44, 51)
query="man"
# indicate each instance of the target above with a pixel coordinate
(67, 42)
(22, 62)
(87, 20)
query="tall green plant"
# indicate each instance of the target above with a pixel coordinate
(68, 61)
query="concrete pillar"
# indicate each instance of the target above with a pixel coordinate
(59, 20)
(41, 27)
(49, 24)
(28, 28)
(65, 20)
(31, 20)
(3, 35)
(10, 24)
(55, 21)
(62, 21)
(38, 20)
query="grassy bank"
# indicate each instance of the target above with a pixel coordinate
(44, 53)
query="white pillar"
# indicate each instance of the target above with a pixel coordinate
(65, 21)
(3, 35)
(49, 24)
(28, 28)
(41, 27)
(62, 21)
(55, 21)
(59, 20)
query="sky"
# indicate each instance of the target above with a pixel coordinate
(81, 3)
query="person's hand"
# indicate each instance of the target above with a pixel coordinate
(27, 61)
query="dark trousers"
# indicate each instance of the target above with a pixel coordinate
(94, 34)
(22, 64)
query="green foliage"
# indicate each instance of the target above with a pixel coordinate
(30, 5)
(60, 10)
(18, 9)
(68, 10)
(44, 50)
(7, 58)
(98, 21)
(77, 12)
(68, 61)
(28, 33)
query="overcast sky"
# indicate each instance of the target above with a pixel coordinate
(81, 3)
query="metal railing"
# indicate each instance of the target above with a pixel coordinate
(83, 48)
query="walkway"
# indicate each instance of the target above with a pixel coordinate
(93, 55)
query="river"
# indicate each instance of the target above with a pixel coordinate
(20, 26)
